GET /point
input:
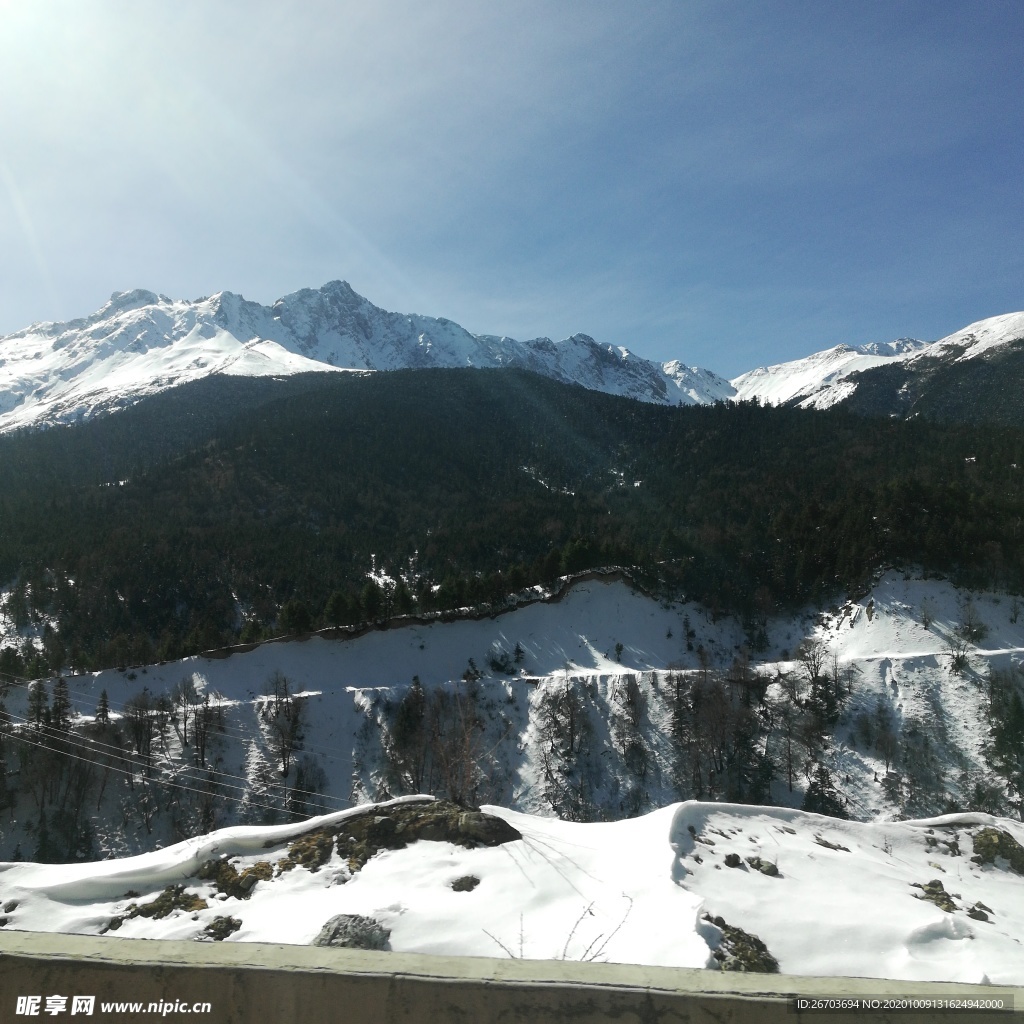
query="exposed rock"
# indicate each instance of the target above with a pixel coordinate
(311, 850)
(467, 883)
(740, 951)
(830, 846)
(934, 892)
(221, 927)
(172, 898)
(485, 830)
(10, 906)
(364, 836)
(764, 866)
(353, 931)
(228, 881)
(990, 843)
(732, 860)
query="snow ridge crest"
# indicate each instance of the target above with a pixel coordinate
(140, 343)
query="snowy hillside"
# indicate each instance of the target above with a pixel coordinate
(910, 736)
(823, 379)
(140, 343)
(978, 338)
(690, 885)
(818, 380)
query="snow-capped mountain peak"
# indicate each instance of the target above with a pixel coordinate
(981, 337)
(140, 342)
(900, 346)
(825, 378)
(817, 378)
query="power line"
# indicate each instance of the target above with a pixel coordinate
(121, 754)
(24, 682)
(172, 785)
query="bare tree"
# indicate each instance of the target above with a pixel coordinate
(140, 722)
(565, 734)
(812, 654)
(971, 627)
(407, 741)
(283, 714)
(202, 721)
(456, 734)
(957, 647)
(184, 698)
(886, 736)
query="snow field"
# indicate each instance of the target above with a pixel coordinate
(845, 900)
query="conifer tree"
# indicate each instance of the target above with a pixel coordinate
(60, 711)
(38, 705)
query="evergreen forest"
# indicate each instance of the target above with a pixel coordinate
(230, 510)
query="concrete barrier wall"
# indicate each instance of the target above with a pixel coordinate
(250, 983)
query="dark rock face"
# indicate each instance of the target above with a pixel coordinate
(485, 829)
(221, 927)
(364, 835)
(990, 843)
(353, 931)
(740, 951)
(934, 892)
(394, 828)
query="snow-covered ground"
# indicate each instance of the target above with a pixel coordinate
(843, 898)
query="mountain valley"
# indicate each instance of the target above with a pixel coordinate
(274, 578)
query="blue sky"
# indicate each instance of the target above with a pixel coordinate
(729, 184)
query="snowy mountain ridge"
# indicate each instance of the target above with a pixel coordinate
(140, 343)
(825, 379)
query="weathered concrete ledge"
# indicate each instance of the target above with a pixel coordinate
(246, 983)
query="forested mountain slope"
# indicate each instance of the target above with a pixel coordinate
(195, 518)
